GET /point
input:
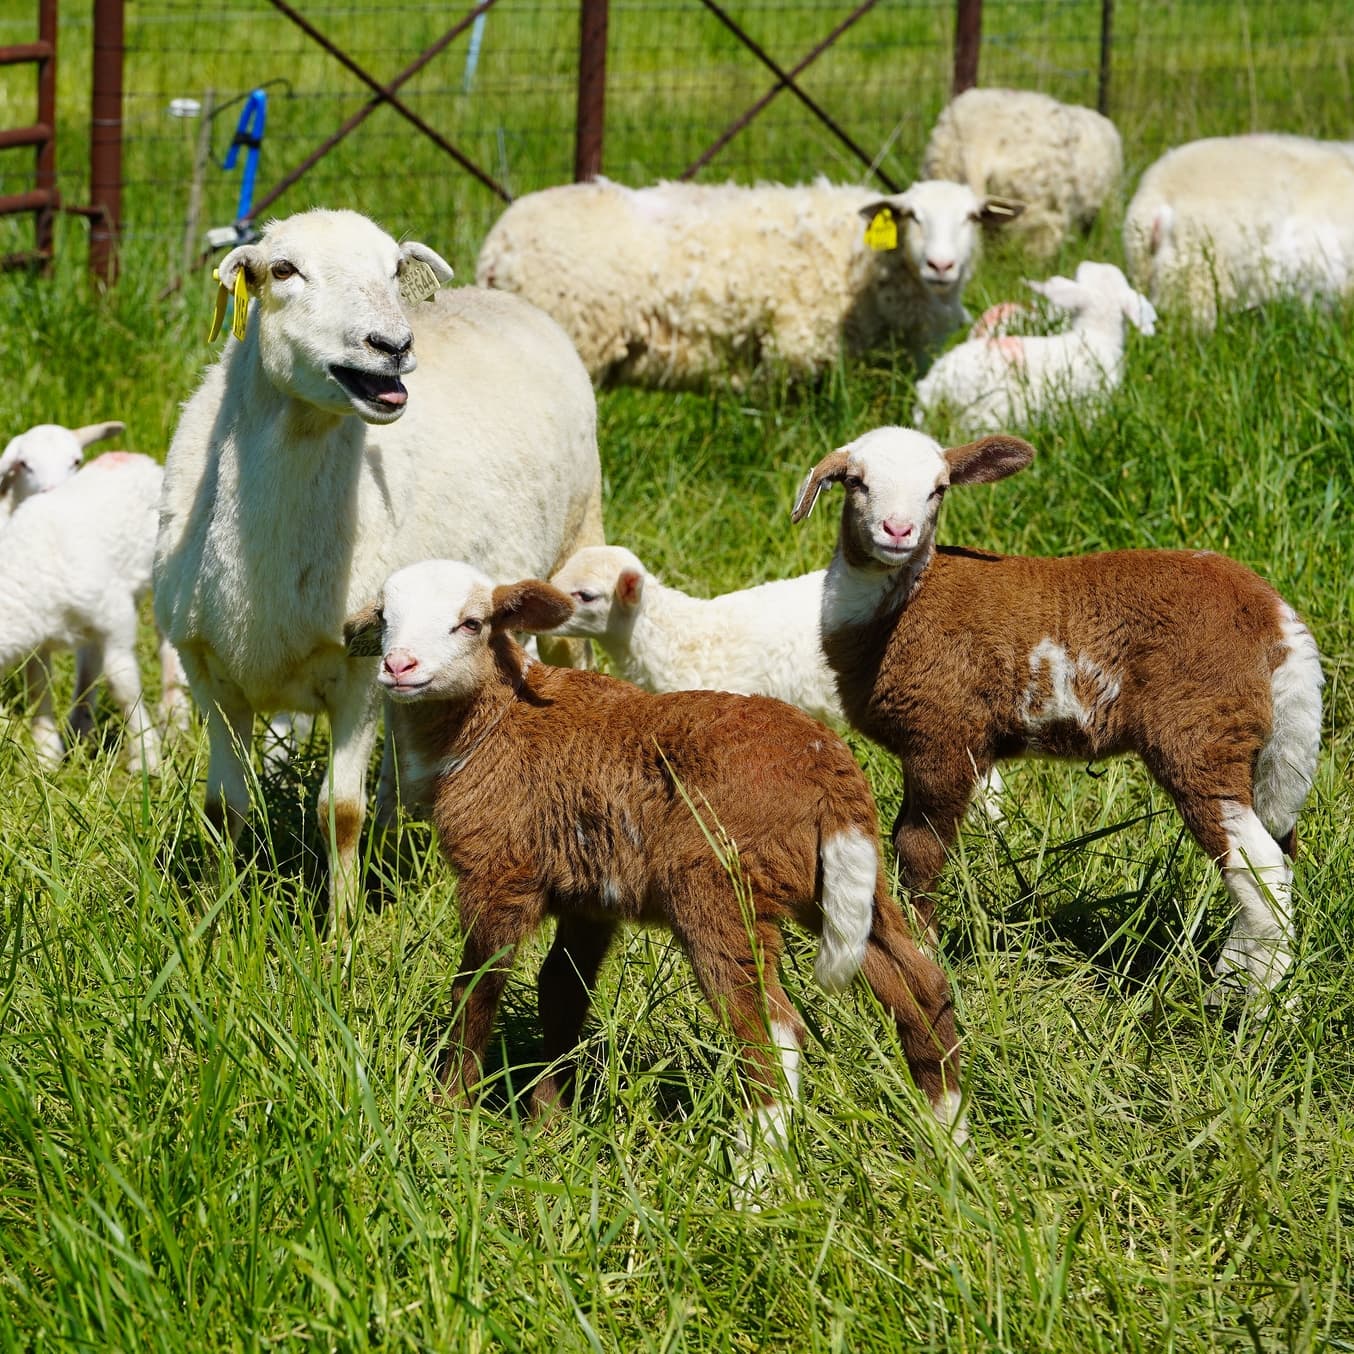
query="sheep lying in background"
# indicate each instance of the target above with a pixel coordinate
(759, 641)
(1061, 160)
(955, 659)
(679, 284)
(39, 459)
(82, 552)
(1004, 380)
(303, 471)
(1239, 220)
(572, 794)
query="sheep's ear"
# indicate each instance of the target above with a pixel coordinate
(96, 432)
(629, 588)
(1063, 292)
(829, 470)
(988, 459)
(529, 605)
(240, 270)
(421, 271)
(1140, 312)
(362, 632)
(882, 218)
(999, 211)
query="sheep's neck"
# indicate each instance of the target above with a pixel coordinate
(456, 730)
(859, 590)
(640, 645)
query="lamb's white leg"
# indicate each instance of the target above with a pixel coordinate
(352, 721)
(124, 686)
(46, 734)
(1259, 947)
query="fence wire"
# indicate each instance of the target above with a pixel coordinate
(504, 94)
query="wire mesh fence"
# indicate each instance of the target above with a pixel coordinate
(503, 94)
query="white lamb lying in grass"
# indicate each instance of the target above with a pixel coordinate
(999, 380)
(762, 641)
(83, 552)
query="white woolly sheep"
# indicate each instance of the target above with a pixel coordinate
(1006, 380)
(956, 658)
(40, 458)
(1239, 220)
(82, 552)
(1061, 160)
(759, 641)
(679, 284)
(576, 795)
(303, 470)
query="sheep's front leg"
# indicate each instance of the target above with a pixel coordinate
(343, 799)
(936, 796)
(46, 734)
(495, 919)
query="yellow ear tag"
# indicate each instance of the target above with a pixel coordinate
(418, 282)
(882, 232)
(241, 314)
(219, 313)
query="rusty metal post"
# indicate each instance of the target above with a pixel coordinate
(45, 178)
(105, 140)
(968, 37)
(591, 118)
(1106, 47)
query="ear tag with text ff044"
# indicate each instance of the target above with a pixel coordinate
(882, 232)
(241, 311)
(418, 282)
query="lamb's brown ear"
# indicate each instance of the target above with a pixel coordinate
(529, 605)
(829, 470)
(362, 632)
(988, 459)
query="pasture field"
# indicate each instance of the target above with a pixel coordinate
(209, 1139)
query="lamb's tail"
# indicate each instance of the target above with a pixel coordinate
(1286, 766)
(850, 860)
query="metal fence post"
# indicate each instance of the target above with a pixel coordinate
(968, 36)
(1106, 46)
(105, 140)
(591, 90)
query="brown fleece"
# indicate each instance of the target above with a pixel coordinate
(570, 804)
(951, 684)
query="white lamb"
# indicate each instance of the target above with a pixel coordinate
(1004, 380)
(39, 459)
(1240, 220)
(759, 641)
(82, 552)
(1062, 160)
(679, 284)
(303, 471)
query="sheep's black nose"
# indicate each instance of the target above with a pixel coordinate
(390, 346)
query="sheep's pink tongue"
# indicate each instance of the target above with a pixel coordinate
(393, 396)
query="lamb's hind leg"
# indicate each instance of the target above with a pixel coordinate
(916, 993)
(1259, 947)
(43, 726)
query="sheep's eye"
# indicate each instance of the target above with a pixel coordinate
(853, 482)
(471, 626)
(583, 595)
(21, 465)
(937, 492)
(282, 270)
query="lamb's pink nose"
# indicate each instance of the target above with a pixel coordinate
(899, 530)
(398, 662)
(940, 265)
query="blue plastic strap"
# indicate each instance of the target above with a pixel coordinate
(249, 134)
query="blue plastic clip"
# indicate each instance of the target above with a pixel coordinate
(249, 134)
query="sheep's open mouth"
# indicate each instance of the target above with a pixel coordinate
(372, 387)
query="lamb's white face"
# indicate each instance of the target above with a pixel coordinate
(331, 327)
(39, 459)
(895, 479)
(435, 625)
(592, 578)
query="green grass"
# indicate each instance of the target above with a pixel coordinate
(210, 1139)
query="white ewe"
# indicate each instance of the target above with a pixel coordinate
(83, 551)
(679, 284)
(1005, 380)
(1239, 220)
(1062, 160)
(303, 471)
